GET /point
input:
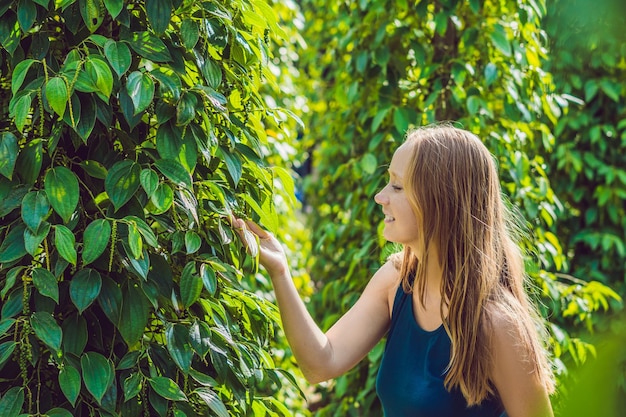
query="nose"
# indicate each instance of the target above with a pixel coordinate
(381, 197)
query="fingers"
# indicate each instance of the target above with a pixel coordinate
(258, 230)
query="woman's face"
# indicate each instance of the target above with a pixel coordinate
(401, 223)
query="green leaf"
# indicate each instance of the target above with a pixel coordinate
(94, 168)
(159, 13)
(101, 73)
(6, 351)
(174, 171)
(179, 346)
(369, 163)
(212, 400)
(98, 374)
(47, 329)
(10, 32)
(110, 300)
(208, 278)
(212, 73)
(58, 412)
(19, 74)
(74, 334)
(144, 229)
(491, 73)
(114, 7)
(135, 243)
(22, 111)
(132, 385)
(122, 182)
(186, 108)
(167, 388)
(140, 88)
(200, 338)
(149, 181)
(29, 161)
(150, 47)
(61, 186)
(233, 164)
(118, 55)
(85, 288)
(499, 39)
(70, 383)
(12, 402)
(46, 283)
(33, 241)
(134, 315)
(190, 285)
(92, 13)
(65, 243)
(35, 208)
(8, 154)
(95, 240)
(162, 199)
(170, 84)
(5, 326)
(57, 95)
(473, 104)
(13, 247)
(192, 241)
(190, 33)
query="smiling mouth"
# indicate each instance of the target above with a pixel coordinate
(389, 219)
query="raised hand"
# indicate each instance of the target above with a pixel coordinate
(259, 241)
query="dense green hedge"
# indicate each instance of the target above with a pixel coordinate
(131, 130)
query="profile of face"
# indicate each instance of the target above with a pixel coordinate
(401, 222)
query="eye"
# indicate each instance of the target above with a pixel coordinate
(396, 187)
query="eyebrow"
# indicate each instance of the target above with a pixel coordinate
(394, 174)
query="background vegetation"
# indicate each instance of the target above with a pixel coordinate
(133, 129)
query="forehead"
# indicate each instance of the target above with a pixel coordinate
(400, 160)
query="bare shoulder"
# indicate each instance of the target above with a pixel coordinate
(385, 282)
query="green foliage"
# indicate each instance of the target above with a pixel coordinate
(132, 131)
(375, 69)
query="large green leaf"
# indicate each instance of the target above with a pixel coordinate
(92, 13)
(29, 161)
(132, 385)
(35, 208)
(12, 247)
(58, 412)
(65, 242)
(140, 88)
(61, 186)
(149, 181)
(19, 74)
(10, 32)
(47, 329)
(190, 285)
(114, 7)
(8, 153)
(212, 400)
(75, 334)
(100, 71)
(499, 39)
(46, 283)
(179, 345)
(85, 288)
(122, 182)
(57, 95)
(150, 47)
(167, 388)
(110, 300)
(70, 383)
(12, 402)
(200, 338)
(95, 240)
(159, 13)
(98, 374)
(32, 241)
(134, 315)
(118, 55)
(174, 171)
(143, 228)
(189, 33)
(162, 199)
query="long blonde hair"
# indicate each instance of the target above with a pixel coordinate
(452, 183)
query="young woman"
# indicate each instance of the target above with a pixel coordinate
(461, 334)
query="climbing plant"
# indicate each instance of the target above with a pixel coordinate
(131, 131)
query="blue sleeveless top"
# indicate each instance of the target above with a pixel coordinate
(411, 374)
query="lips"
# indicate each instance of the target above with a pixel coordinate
(389, 218)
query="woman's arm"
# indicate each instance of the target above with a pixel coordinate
(519, 387)
(320, 355)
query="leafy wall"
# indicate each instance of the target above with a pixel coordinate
(131, 131)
